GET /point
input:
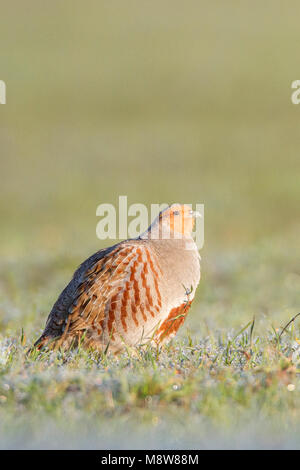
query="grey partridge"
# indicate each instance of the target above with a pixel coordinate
(134, 292)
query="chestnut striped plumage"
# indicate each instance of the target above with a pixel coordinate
(135, 292)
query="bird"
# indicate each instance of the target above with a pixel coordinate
(135, 292)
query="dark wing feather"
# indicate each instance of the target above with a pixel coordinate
(78, 298)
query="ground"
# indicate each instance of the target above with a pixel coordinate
(226, 380)
(189, 105)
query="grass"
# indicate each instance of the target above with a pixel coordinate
(184, 104)
(223, 380)
(215, 385)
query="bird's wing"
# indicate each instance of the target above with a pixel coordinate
(95, 285)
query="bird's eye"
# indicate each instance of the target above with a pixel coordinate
(176, 213)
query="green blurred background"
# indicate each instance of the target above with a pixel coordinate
(162, 101)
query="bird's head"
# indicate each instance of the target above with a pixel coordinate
(176, 221)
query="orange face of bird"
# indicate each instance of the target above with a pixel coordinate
(179, 219)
